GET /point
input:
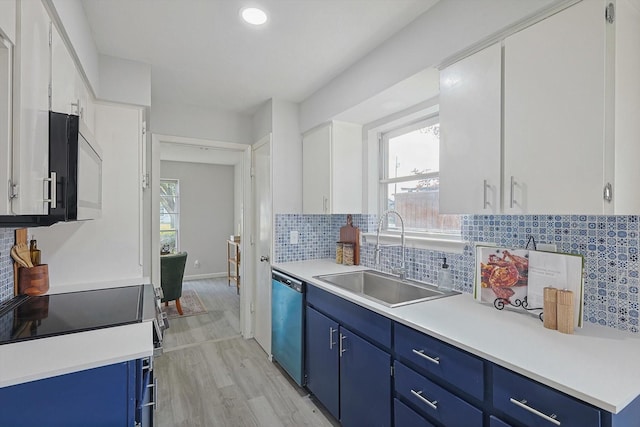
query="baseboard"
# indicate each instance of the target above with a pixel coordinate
(204, 276)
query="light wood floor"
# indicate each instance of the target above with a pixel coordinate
(210, 376)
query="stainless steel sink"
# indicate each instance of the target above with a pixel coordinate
(384, 288)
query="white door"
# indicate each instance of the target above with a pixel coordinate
(263, 233)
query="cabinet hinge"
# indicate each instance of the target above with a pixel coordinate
(607, 194)
(145, 180)
(13, 190)
(144, 128)
(610, 13)
(50, 34)
(252, 172)
(49, 94)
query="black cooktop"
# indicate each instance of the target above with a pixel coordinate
(30, 317)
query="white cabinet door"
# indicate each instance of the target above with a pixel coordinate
(64, 97)
(332, 169)
(31, 108)
(6, 129)
(86, 107)
(470, 133)
(554, 114)
(316, 171)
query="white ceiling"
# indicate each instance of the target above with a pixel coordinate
(202, 54)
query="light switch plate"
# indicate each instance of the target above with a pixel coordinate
(293, 237)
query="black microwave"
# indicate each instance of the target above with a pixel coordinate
(75, 164)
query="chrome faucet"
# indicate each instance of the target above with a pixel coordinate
(402, 270)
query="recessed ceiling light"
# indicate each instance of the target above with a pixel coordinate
(254, 16)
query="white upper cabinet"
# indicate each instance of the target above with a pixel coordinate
(554, 114)
(64, 94)
(470, 140)
(547, 124)
(31, 109)
(6, 128)
(332, 169)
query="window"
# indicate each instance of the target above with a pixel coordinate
(169, 215)
(410, 179)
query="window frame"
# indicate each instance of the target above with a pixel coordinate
(176, 213)
(384, 180)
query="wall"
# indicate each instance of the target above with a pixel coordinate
(124, 81)
(445, 29)
(286, 164)
(206, 214)
(609, 245)
(7, 19)
(195, 122)
(105, 249)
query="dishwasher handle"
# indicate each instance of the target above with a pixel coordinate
(292, 283)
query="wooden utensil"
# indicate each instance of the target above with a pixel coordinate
(17, 258)
(23, 252)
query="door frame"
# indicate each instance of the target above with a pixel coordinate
(247, 290)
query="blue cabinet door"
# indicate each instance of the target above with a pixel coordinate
(365, 382)
(100, 397)
(322, 360)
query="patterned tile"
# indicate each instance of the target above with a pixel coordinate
(609, 245)
(7, 239)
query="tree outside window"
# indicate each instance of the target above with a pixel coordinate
(169, 216)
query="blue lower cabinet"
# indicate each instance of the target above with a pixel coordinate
(104, 396)
(433, 400)
(365, 382)
(322, 360)
(407, 417)
(535, 405)
(495, 422)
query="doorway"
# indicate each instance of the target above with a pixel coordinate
(201, 156)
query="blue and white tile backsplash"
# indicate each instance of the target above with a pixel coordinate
(7, 239)
(609, 245)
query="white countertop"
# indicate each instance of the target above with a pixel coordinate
(596, 364)
(48, 357)
(62, 354)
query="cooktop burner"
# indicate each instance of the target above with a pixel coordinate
(30, 317)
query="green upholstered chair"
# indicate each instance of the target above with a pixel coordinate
(171, 274)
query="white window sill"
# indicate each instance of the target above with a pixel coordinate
(434, 243)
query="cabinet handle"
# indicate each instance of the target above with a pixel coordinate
(420, 353)
(324, 204)
(485, 201)
(418, 394)
(608, 192)
(523, 404)
(513, 185)
(154, 402)
(52, 190)
(342, 349)
(331, 342)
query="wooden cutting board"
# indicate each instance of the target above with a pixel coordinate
(21, 237)
(351, 234)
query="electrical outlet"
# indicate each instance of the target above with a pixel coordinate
(196, 263)
(293, 237)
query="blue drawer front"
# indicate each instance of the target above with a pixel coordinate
(407, 417)
(367, 323)
(495, 422)
(454, 366)
(450, 410)
(568, 411)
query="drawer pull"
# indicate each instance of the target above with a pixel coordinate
(420, 353)
(418, 394)
(523, 404)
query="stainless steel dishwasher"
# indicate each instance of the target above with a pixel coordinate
(287, 324)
